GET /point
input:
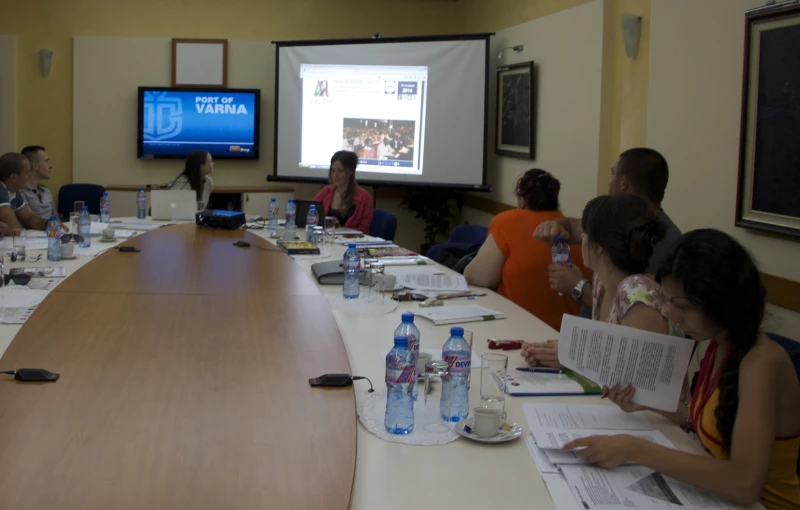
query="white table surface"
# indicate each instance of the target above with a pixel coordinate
(462, 474)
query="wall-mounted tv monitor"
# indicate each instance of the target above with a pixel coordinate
(175, 121)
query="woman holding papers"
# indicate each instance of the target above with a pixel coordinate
(745, 405)
(343, 199)
(196, 176)
(618, 240)
(514, 263)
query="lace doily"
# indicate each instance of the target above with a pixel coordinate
(361, 306)
(429, 429)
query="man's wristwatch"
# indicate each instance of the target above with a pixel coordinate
(577, 292)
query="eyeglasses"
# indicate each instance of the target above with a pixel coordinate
(18, 279)
(65, 238)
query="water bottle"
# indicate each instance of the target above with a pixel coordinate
(400, 370)
(311, 222)
(84, 228)
(455, 392)
(407, 328)
(561, 255)
(141, 205)
(53, 241)
(105, 208)
(272, 225)
(290, 229)
(351, 264)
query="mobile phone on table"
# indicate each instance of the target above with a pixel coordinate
(331, 380)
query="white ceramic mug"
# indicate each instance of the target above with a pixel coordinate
(67, 249)
(109, 233)
(487, 421)
(422, 360)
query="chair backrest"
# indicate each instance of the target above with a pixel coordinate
(472, 234)
(793, 348)
(384, 224)
(90, 194)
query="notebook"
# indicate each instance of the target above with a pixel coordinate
(302, 211)
(173, 205)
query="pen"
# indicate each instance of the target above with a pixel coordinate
(540, 370)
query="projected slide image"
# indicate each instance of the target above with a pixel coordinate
(376, 141)
(378, 112)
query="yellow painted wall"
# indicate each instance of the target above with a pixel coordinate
(493, 15)
(44, 113)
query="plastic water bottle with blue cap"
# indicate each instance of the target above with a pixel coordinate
(400, 375)
(351, 265)
(85, 228)
(290, 229)
(407, 328)
(561, 255)
(311, 222)
(272, 221)
(455, 386)
(141, 205)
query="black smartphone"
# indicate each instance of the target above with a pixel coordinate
(335, 380)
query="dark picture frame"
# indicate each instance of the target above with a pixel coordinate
(768, 187)
(516, 113)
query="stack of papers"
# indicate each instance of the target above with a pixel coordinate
(574, 484)
(434, 282)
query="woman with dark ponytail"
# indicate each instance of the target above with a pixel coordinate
(619, 235)
(745, 405)
(513, 262)
(196, 176)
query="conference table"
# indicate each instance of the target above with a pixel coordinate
(184, 385)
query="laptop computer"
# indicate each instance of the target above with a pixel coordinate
(173, 205)
(302, 211)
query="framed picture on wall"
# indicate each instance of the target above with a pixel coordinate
(768, 194)
(200, 63)
(515, 133)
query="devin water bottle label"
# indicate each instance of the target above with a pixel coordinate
(402, 376)
(413, 345)
(458, 365)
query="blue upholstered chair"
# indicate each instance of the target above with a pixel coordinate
(465, 238)
(90, 194)
(384, 224)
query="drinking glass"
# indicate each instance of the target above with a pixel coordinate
(329, 223)
(468, 338)
(77, 206)
(19, 243)
(494, 373)
(74, 218)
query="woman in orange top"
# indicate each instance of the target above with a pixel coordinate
(745, 405)
(515, 263)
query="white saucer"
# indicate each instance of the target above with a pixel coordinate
(502, 437)
(114, 240)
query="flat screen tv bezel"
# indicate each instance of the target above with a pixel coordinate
(253, 156)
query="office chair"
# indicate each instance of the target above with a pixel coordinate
(384, 224)
(89, 194)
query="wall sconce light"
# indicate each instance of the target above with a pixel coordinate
(631, 32)
(517, 48)
(45, 61)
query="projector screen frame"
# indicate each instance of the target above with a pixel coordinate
(377, 39)
(197, 89)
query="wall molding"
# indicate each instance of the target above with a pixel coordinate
(780, 291)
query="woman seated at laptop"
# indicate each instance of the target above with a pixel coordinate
(196, 176)
(744, 406)
(343, 199)
(619, 235)
(514, 263)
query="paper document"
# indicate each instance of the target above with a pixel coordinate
(400, 271)
(575, 416)
(542, 462)
(629, 487)
(608, 354)
(555, 439)
(31, 243)
(17, 296)
(15, 315)
(146, 227)
(40, 272)
(559, 491)
(438, 282)
(522, 383)
(345, 230)
(457, 314)
(43, 283)
(412, 262)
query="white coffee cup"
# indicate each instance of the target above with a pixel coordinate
(109, 233)
(487, 421)
(68, 249)
(387, 280)
(422, 360)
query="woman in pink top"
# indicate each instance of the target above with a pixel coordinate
(343, 199)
